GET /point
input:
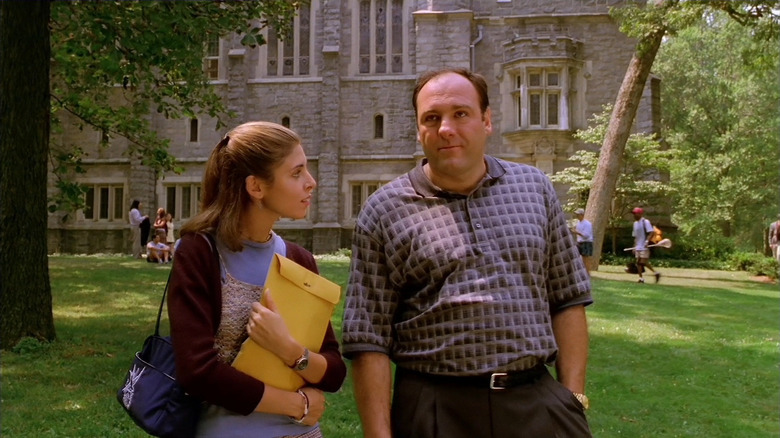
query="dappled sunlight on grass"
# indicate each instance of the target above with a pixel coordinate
(676, 359)
(645, 332)
(663, 356)
(114, 305)
(72, 406)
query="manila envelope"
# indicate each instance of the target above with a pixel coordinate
(305, 301)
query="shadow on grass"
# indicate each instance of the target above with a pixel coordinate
(665, 361)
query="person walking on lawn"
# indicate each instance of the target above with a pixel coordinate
(643, 232)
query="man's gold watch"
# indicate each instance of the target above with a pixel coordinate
(583, 399)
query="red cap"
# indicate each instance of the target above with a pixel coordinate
(637, 210)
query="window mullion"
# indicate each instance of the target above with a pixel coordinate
(296, 31)
(388, 36)
(372, 38)
(563, 103)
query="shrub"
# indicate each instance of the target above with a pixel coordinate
(612, 260)
(755, 263)
(698, 248)
(344, 252)
(29, 345)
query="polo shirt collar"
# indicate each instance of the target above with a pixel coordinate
(424, 187)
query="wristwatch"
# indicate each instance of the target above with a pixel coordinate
(302, 362)
(583, 399)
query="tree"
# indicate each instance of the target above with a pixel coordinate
(720, 115)
(650, 25)
(152, 52)
(25, 299)
(639, 179)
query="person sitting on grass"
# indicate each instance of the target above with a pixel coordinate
(157, 251)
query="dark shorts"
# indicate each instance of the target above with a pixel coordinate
(423, 408)
(586, 248)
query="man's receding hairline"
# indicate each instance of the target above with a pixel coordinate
(458, 105)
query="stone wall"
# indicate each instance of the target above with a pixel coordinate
(333, 108)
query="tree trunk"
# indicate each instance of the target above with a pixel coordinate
(602, 189)
(25, 297)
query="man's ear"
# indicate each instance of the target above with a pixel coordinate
(487, 121)
(254, 187)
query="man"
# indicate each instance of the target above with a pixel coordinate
(156, 250)
(584, 232)
(465, 275)
(643, 232)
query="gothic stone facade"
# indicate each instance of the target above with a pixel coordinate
(344, 83)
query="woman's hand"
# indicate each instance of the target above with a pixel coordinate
(267, 328)
(316, 405)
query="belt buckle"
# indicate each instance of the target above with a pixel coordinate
(493, 381)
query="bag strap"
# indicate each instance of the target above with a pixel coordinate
(208, 238)
(162, 303)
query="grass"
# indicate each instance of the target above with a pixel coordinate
(693, 356)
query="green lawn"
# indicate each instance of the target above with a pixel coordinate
(693, 356)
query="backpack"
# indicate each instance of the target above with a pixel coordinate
(657, 237)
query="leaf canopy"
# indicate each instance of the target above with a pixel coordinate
(152, 52)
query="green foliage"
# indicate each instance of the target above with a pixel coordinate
(665, 16)
(345, 252)
(702, 248)
(30, 346)
(640, 182)
(115, 61)
(720, 99)
(716, 253)
(609, 259)
(755, 263)
(70, 194)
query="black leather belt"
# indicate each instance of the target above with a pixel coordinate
(495, 381)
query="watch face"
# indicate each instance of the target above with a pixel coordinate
(303, 364)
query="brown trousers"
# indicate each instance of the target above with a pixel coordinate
(431, 409)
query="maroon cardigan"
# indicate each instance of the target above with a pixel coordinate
(194, 309)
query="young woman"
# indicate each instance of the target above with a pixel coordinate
(255, 175)
(169, 237)
(160, 223)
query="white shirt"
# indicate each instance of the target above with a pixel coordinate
(135, 217)
(642, 229)
(585, 230)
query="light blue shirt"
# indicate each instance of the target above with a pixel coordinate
(248, 266)
(251, 264)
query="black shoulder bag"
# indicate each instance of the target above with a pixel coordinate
(151, 395)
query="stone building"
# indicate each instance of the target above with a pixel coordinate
(344, 83)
